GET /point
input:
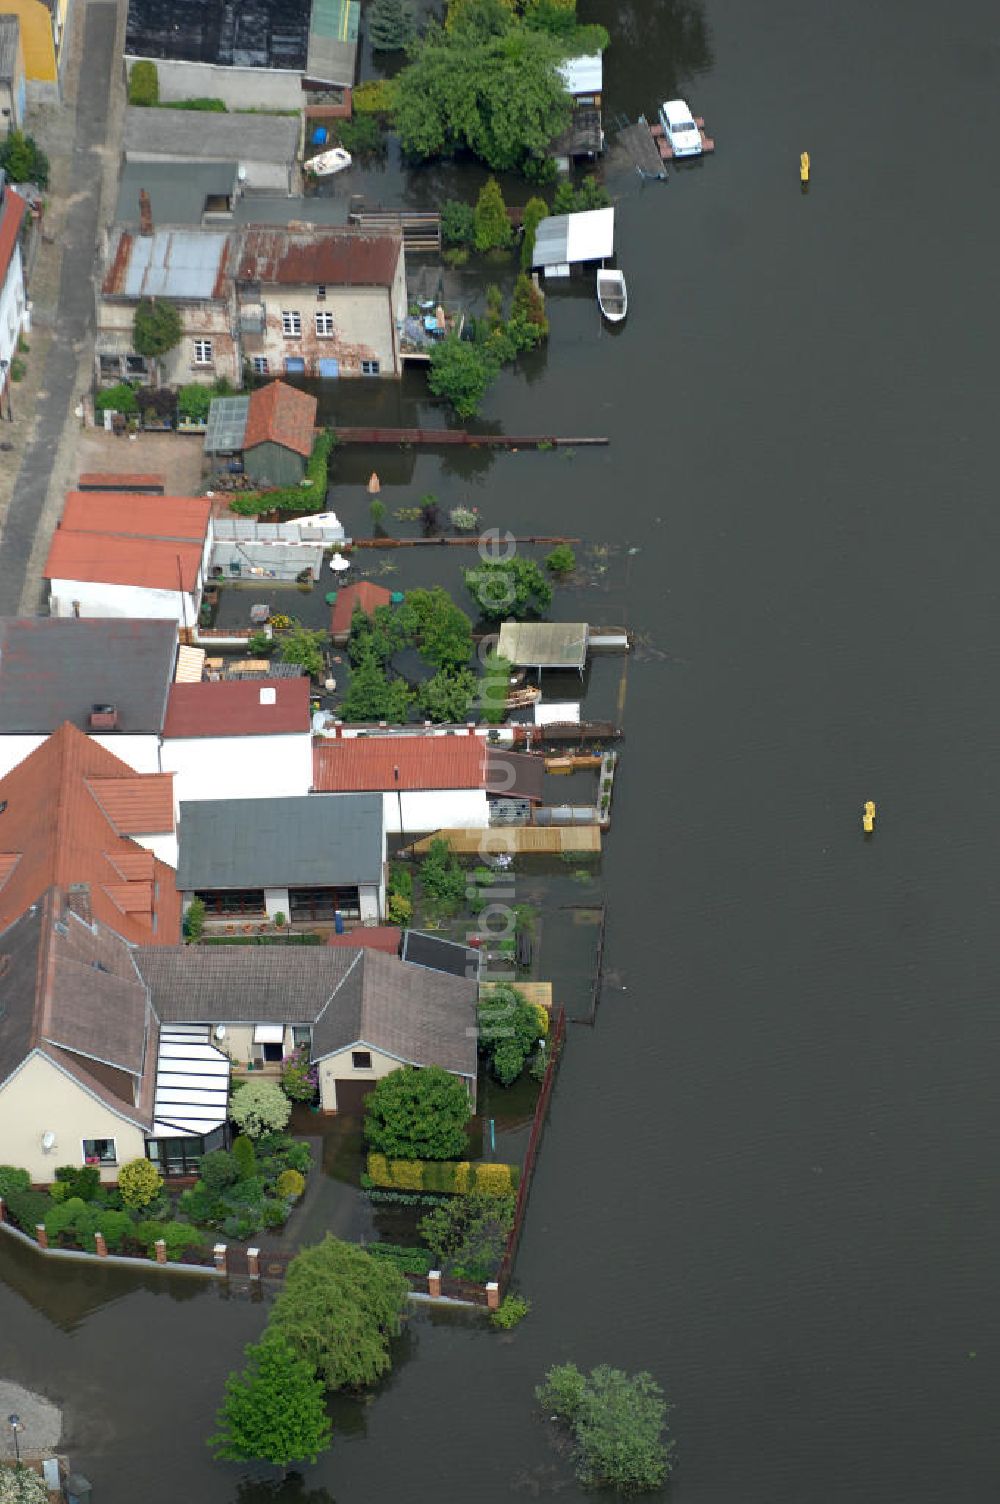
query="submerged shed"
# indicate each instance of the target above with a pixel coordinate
(565, 240)
(544, 644)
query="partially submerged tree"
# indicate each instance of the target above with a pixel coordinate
(617, 1423)
(274, 1411)
(339, 1308)
(391, 25)
(493, 229)
(418, 1114)
(505, 588)
(300, 646)
(535, 210)
(509, 1029)
(461, 372)
(468, 1234)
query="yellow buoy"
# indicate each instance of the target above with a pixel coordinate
(804, 167)
(868, 817)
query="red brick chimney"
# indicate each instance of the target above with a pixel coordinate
(145, 213)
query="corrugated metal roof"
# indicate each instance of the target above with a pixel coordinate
(583, 75)
(185, 135)
(167, 264)
(589, 236)
(339, 257)
(333, 41)
(544, 644)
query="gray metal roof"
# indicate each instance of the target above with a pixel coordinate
(54, 670)
(544, 644)
(227, 422)
(294, 842)
(174, 264)
(253, 34)
(270, 209)
(570, 238)
(333, 41)
(193, 135)
(9, 29)
(177, 190)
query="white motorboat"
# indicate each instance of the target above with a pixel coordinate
(329, 162)
(612, 295)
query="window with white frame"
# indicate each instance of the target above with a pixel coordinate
(203, 352)
(321, 294)
(100, 1151)
(324, 325)
(291, 323)
(369, 368)
(260, 365)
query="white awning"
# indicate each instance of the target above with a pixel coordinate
(556, 713)
(269, 1034)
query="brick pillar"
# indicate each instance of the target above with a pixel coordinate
(219, 1255)
(493, 1295)
(100, 1245)
(42, 1235)
(161, 1251)
(434, 1283)
(253, 1262)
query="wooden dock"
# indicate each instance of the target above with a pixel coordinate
(641, 147)
(516, 840)
(447, 436)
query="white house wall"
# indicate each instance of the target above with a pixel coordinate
(238, 767)
(341, 1066)
(12, 308)
(436, 809)
(42, 1099)
(99, 599)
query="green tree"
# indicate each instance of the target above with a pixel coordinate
(156, 328)
(441, 629)
(562, 560)
(509, 1030)
(23, 160)
(340, 1308)
(468, 1234)
(589, 195)
(617, 1423)
(441, 875)
(535, 210)
(493, 688)
(274, 1411)
(139, 1182)
(463, 373)
(505, 588)
(391, 25)
(299, 645)
(447, 696)
(376, 511)
(418, 1114)
(489, 85)
(259, 1107)
(458, 222)
(493, 229)
(528, 304)
(373, 696)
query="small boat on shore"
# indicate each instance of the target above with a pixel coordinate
(518, 698)
(612, 295)
(328, 162)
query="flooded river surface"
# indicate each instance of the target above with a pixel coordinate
(770, 1172)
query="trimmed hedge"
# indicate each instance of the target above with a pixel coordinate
(27, 1209)
(406, 1260)
(309, 497)
(457, 1177)
(211, 106)
(13, 1179)
(144, 84)
(178, 1236)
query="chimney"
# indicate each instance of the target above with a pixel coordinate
(78, 901)
(145, 213)
(104, 718)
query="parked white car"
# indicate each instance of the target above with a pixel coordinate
(680, 129)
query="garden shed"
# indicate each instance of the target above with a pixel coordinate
(271, 432)
(544, 644)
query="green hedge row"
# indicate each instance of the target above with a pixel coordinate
(457, 1177)
(406, 1260)
(144, 84)
(309, 497)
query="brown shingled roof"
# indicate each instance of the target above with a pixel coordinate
(278, 414)
(342, 257)
(62, 832)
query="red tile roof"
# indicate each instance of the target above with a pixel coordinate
(133, 514)
(235, 707)
(141, 805)
(364, 594)
(321, 258)
(366, 764)
(151, 564)
(14, 207)
(278, 414)
(111, 480)
(384, 937)
(61, 834)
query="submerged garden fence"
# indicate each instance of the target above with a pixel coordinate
(557, 1038)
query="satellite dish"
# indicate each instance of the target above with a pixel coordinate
(220, 1031)
(48, 1142)
(241, 174)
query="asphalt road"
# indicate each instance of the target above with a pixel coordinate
(75, 309)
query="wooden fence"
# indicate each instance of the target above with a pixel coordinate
(557, 1038)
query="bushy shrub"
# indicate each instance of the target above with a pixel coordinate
(211, 105)
(375, 97)
(82, 1181)
(259, 1106)
(245, 1193)
(73, 1220)
(451, 1177)
(511, 1310)
(139, 1182)
(178, 1237)
(399, 910)
(359, 136)
(289, 1185)
(115, 1227)
(468, 1236)
(193, 401)
(219, 1168)
(617, 1422)
(458, 222)
(299, 1078)
(119, 398)
(274, 1214)
(13, 1179)
(242, 1225)
(59, 1191)
(21, 1485)
(418, 1114)
(144, 84)
(562, 560)
(244, 1156)
(406, 1260)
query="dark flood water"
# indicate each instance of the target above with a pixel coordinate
(770, 1172)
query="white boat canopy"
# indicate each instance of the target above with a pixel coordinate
(583, 75)
(565, 239)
